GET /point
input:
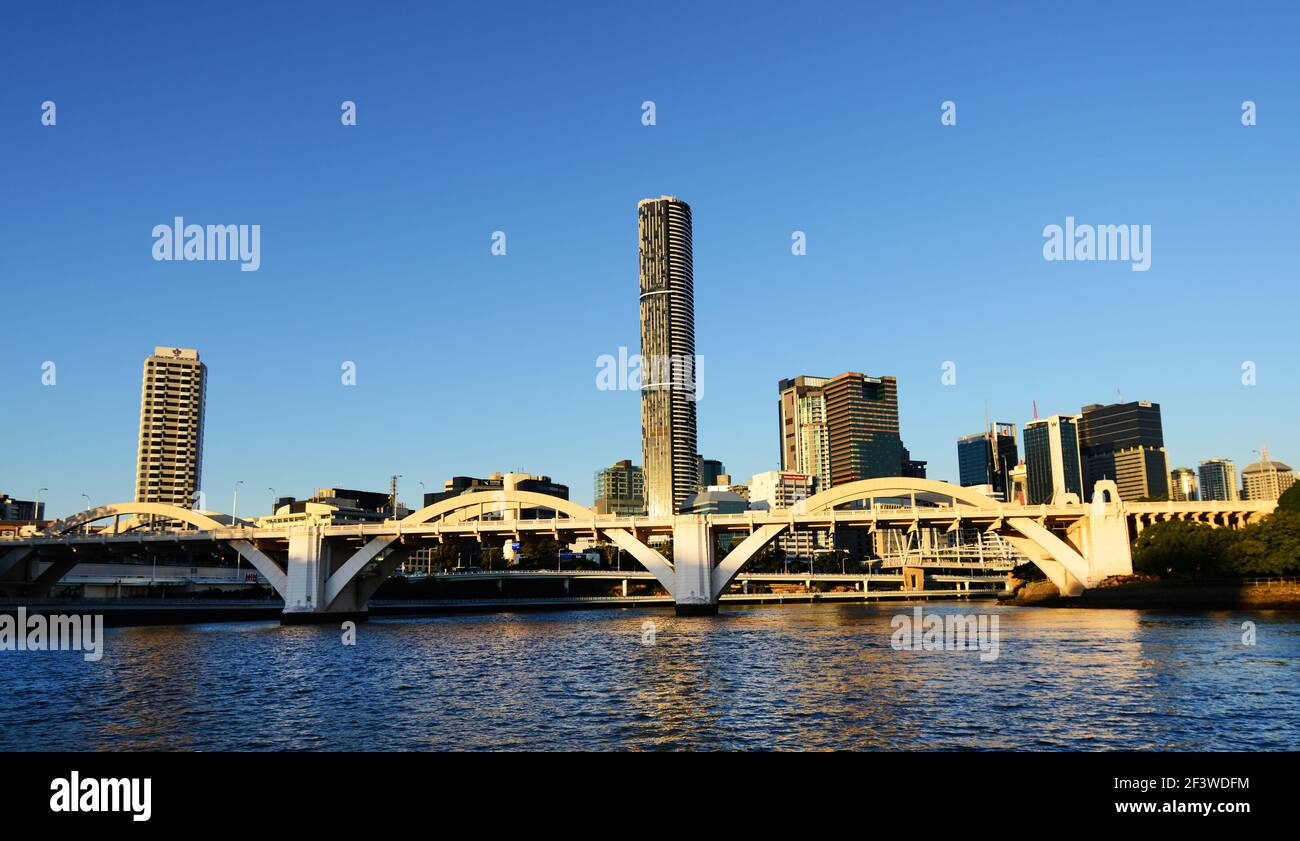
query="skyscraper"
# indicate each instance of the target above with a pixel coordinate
(1124, 442)
(170, 457)
(668, 439)
(1218, 480)
(805, 443)
(988, 457)
(708, 470)
(1182, 484)
(862, 427)
(1052, 459)
(1266, 479)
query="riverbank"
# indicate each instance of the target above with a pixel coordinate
(1152, 594)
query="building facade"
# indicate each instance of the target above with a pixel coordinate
(1182, 485)
(987, 458)
(708, 471)
(862, 427)
(805, 442)
(1052, 459)
(169, 463)
(20, 510)
(620, 489)
(668, 386)
(774, 490)
(1124, 442)
(1218, 477)
(1266, 479)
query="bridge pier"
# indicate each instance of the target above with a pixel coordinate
(693, 566)
(324, 584)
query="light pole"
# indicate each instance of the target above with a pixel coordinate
(36, 506)
(88, 507)
(272, 490)
(234, 504)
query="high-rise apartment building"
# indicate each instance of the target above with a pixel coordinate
(1182, 485)
(668, 387)
(1266, 479)
(169, 465)
(988, 457)
(1124, 442)
(805, 442)
(620, 489)
(1052, 459)
(1218, 480)
(862, 427)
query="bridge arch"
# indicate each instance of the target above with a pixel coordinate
(198, 519)
(496, 502)
(889, 488)
(1058, 560)
(459, 508)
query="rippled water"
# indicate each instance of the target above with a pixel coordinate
(789, 677)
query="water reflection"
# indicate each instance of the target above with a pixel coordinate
(767, 677)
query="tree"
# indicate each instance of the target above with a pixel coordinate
(1178, 549)
(539, 551)
(1290, 499)
(1269, 547)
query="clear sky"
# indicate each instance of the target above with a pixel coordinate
(924, 241)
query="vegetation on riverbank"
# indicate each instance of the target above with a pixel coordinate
(1182, 550)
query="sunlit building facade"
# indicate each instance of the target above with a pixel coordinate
(668, 386)
(169, 463)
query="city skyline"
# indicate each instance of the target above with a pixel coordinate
(377, 252)
(169, 355)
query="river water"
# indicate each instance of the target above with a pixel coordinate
(767, 677)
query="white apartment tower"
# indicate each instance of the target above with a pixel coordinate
(170, 462)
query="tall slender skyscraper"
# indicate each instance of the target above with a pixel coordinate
(170, 463)
(668, 369)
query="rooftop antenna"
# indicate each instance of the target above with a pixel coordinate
(1120, 393)
(1035, 410)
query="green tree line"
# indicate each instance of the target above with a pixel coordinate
(1178, 549)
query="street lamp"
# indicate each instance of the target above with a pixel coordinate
(89, 506)
(272, 490)
(36, 506)
(234, 504)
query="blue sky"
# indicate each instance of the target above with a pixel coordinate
(924, 241)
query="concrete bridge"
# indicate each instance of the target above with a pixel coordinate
(329, 572)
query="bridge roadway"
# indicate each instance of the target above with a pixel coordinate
(325, 570)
